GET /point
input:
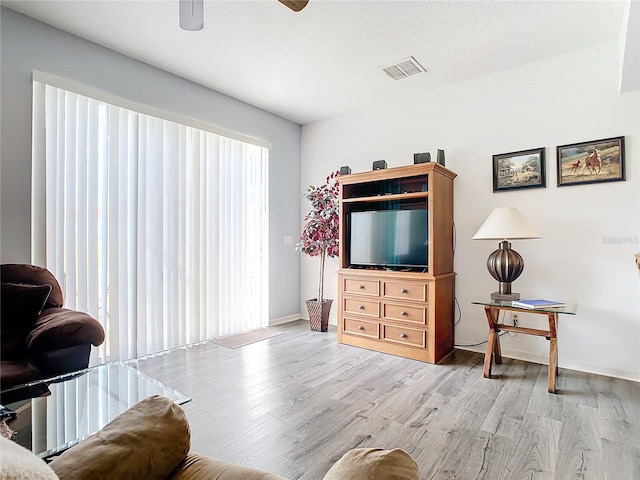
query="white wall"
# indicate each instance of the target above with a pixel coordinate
(590, 232)
(27, 45)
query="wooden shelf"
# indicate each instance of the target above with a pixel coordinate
(387, 198)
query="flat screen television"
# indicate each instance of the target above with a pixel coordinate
(388, 238)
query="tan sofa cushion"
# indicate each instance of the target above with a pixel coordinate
(199, 467)
(374, 463)
(18, 463)
(145, 442)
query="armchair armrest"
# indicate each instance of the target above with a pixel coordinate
(58, 328)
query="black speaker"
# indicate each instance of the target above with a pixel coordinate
(379, 164)
(441, 157)
(346, 170)
(421, 157)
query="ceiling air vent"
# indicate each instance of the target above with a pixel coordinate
(404, 68)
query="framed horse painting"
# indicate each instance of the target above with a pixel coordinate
(591, 162)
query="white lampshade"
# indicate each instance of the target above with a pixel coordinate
(505, 223)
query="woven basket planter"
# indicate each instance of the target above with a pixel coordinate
(319, 314)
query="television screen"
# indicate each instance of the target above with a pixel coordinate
(389, 238)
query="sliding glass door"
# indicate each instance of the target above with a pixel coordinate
(157, 228)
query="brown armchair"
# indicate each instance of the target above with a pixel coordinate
(40, 338)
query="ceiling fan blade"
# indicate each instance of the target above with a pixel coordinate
(295, 5)
(192, 15)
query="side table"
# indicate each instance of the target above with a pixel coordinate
(492, 310)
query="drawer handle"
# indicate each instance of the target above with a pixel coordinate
(403, 335)
(403, 290)
(403, 313)
(361, 287)
(360, 307)
(360, 327)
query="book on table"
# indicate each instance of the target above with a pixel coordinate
(538, 303)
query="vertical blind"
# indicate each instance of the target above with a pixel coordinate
(157, 229)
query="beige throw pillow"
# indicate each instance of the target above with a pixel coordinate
(147, 441)
(374, 463)
(18, 463)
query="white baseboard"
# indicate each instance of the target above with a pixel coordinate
(287, 319)
(294, 318)
(544, 360)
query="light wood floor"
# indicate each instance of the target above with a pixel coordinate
(293, 404)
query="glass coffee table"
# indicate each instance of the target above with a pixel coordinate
(80, 404)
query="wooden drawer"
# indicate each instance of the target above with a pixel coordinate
(362, 307)
(405, 313)
(361, 327)
(405, 336)
(405, 291)
(361, 287)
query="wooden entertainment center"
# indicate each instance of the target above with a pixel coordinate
(402, 311)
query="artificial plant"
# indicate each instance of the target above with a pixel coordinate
(320, 235)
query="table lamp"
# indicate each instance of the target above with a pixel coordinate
(505, 265)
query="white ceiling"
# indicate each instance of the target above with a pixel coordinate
(326, 60)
